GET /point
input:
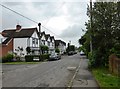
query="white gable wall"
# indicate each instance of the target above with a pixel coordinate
(24, 43)
(43, 37)
(20, 42)
(34, 35)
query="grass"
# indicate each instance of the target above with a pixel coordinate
(21, 63)
(105, 79)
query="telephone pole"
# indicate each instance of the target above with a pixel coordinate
(91, 48)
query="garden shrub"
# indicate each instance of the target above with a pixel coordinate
(96, 59)
(44, 57)
(29, 58)
(7, 58)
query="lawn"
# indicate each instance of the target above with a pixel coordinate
(21, 63)
(105, 79)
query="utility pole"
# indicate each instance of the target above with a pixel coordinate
(39, 24)
(91, 48)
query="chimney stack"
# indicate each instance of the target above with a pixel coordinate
(18, 27)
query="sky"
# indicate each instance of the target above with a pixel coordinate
(64, 18)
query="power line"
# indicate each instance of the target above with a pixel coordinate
(29, 19)
(50, 31)
(19, 13)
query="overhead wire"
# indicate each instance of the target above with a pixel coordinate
(18, 13)
(29, 19)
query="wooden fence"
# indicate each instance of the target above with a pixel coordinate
(114, 64)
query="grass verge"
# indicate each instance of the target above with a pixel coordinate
(21, 63)
(105, 79)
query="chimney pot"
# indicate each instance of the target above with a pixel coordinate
(18, 27)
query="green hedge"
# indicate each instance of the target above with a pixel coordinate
(44, 56)
(29, 58)
(7, 58)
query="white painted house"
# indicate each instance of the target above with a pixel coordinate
(49, 41)
(61, 45)
(23, 38)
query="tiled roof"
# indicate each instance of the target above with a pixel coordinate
(6, 40)
(59, 41)
(47, 36)
(52, 37)
(25, 32)
(13, 33)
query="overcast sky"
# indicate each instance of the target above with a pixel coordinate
(65, 18)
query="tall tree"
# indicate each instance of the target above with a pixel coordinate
(105, 30)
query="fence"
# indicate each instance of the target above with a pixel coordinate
(114, 64)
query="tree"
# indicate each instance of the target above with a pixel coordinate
(44, 49)
(105, 31)
(71, 48)
(28, 50)
(57, 50)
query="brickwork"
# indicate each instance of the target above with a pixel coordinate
(5, 48)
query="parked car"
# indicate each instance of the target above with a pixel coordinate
(82, 53)
(54, 56)
(70, 53)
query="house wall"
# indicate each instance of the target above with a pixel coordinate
(61, 47)
(20, 42)
(31, 40)
(4, 49)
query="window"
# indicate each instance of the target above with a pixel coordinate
(33, 40)
(48, 43)
(44, 42)
(36, 41)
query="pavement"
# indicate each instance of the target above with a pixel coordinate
(84, 77)
(50, 74)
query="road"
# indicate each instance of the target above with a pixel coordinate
(45, 74)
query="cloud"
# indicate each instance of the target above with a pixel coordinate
(72, 31)
(63, 18)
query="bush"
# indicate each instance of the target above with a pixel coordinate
(7, 58)
(96, 59)
(57, 50)
(44, 56)
(0, 59)
(29, 58)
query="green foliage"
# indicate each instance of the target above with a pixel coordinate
(28, 50)
(57, 50)
(44, 49)
(104, 32)
(44, 57)
(105, 79)
(71, 48)
(7, 58)
(82, 40)
(29, 58)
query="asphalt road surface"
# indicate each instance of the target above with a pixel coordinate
(46, 74)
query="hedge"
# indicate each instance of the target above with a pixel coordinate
(29, 58)
(7, 58)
